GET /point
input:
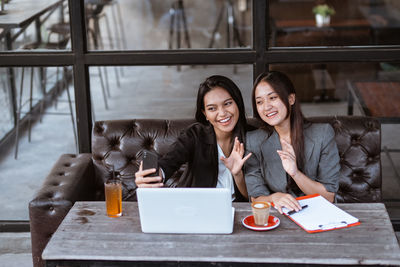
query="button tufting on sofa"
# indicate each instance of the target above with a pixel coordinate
(98, 129)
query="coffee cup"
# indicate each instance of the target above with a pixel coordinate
(260, 212)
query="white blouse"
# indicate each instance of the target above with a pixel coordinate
(225, 179)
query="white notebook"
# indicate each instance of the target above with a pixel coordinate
(320, 215)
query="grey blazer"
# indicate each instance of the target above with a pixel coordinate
(264, 172)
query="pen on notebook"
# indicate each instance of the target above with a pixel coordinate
(293, 211)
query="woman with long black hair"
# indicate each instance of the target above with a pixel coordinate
(213, 147)
(291, 156)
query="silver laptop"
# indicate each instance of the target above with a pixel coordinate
(186, 210)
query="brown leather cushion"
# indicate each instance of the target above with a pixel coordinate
(359, 143)
(115, 144)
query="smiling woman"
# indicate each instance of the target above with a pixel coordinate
(222, 113)
(212, 147)
(292, 156)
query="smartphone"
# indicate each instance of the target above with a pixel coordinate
(150, 160)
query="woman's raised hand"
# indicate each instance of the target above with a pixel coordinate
(235, 160)
(147, 182)
(288, 157)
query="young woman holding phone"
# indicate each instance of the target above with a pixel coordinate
(213, 147)
(291, 156)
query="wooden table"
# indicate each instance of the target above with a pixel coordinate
(382, 18)
(378, 99)
(307, 26)
(87, 237)
(21, 13)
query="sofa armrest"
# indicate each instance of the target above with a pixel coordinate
(71, 179)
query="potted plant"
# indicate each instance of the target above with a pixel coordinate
(323, 14)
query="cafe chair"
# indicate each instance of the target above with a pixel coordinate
(30, 101)
(178, 24)
(94, 13)
(117, 143)
(61, 43)
(231, 22)
(63, 29)
(119, 29)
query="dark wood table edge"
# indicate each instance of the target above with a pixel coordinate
(87, 263)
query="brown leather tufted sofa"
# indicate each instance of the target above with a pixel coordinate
(116, 143)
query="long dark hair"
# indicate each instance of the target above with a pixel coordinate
(283, 86)
(234, 91)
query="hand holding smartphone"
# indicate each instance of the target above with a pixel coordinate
(150, 160)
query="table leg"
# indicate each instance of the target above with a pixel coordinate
(41, 69)
(37, 26)
(350, 99)
(387, 152)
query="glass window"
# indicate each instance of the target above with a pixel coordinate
(35, 25)
(46, 123)
(177, 24)
(158, 92)
(351, 23)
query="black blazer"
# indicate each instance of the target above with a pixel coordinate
(196, 146)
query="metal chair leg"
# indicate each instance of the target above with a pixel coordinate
(94, 37)
(101, 45)
(43, 79)
(92, 109)
(121, 26)
(30, 106)
(221, 13)
(65, 82)
(186, 32)
(172, 12)
(119, 30)
(57, 88)
(103, 88)
(110, 40)
(19, 114)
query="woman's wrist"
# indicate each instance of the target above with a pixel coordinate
(238, 174)
(295, 174)
(262, 198)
